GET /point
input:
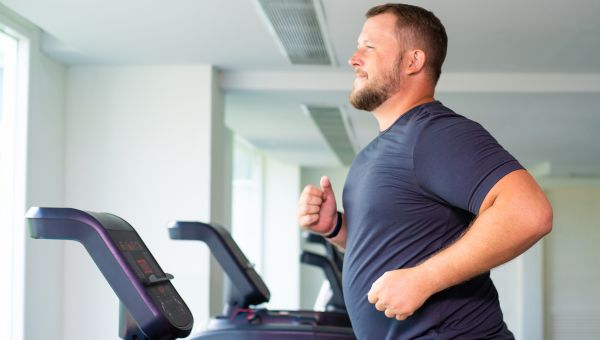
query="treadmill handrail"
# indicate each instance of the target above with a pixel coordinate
(332, 252)
(251, 289)
(87, 228)
(332, 274)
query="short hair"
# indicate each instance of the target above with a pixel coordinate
(425, 31)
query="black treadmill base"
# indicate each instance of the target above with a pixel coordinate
(277, 334)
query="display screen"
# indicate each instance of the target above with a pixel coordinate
(138, 257)
(150, 274)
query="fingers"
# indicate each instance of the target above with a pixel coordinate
(388, 313)
(372, 296)
(309, 206)
(311, 191)
(380, 306)
(316, 209)
(374, 292)
(308, 209)
(310, 200)
(307, 220)
(380, 297)
(401, 317)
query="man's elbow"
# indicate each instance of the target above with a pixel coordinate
(542, 225)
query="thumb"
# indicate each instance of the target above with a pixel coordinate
(325, 184)
(329, 206)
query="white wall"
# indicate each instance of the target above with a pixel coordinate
(281, 236)
(140, 145)
(311, 278)
(571, 262)
(508, 279)
(536, 289)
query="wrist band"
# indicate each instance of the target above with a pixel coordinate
(338, 227)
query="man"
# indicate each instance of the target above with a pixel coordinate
(431, 204)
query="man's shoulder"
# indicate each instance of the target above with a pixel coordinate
(438, 122)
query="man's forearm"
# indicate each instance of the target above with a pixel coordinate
(500, 233)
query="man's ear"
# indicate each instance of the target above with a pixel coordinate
(416, 61)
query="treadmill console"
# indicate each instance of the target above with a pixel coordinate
(153, 279)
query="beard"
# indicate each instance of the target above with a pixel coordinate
(372, 96)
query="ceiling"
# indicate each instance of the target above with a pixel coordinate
(529, 71)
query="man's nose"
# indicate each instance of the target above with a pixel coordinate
(355, 60)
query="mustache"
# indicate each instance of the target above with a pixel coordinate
(360, 73)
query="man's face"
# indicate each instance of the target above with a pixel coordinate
(376, 63)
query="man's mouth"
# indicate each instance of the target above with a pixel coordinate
(361, 78)
(360, 74)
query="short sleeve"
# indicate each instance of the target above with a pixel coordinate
(457, 161)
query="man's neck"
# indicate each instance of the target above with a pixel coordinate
(398, 104)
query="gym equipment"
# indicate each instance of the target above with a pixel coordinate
(336, 256)
(240, 320)
(151, 308)
(331, 297)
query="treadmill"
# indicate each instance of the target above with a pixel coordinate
(243, 321)
(151, 308)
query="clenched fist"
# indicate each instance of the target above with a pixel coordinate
(317, 209)
(399, 293)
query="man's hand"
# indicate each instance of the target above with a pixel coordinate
(317, 209)
(399, 293)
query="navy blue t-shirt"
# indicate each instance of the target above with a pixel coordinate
(409, 193)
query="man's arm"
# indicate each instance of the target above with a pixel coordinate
(514, 215)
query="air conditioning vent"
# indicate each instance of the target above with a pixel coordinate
(334, 128)
(296, 25)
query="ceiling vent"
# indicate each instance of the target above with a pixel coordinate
(334, 126)
(298, 27)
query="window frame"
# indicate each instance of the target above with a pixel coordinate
(13, 136)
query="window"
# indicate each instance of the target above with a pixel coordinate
(247, 210)
(12, 188)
